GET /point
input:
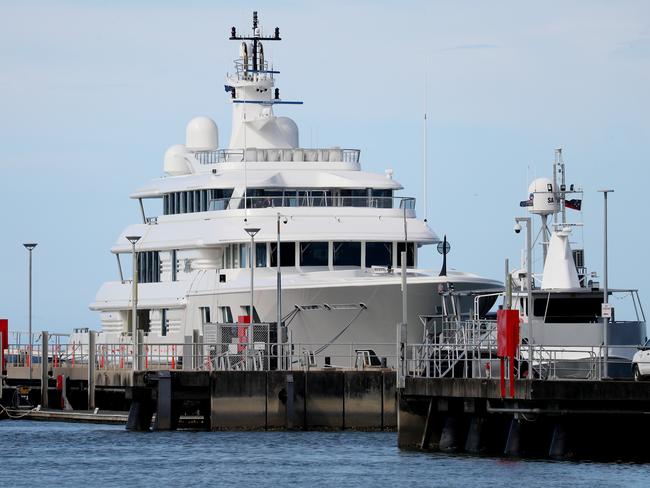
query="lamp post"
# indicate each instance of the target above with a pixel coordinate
(30, 247)
(278, 326)
(605, 288)
(251, 231)
(134, 302)
(529, 287)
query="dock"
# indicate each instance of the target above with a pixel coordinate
(442, 396)
(572, 419)
(266, 400)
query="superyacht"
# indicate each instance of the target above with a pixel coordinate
(307, 222)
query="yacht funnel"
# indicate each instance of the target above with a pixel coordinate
(560, 270)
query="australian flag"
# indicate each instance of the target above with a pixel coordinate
(575, 204)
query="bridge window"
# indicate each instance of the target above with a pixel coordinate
(410, 254)
(205, 315)
(347, 254)
(260, 254)
(381, 198)
(354, 198)
(287, 254)
(196, 201)
(226, 315)
(246, 310)
(174, 264)
(379, 254)
(164, 325)
(149, 267)
(313, 253)
(557, 310)
(243, 255)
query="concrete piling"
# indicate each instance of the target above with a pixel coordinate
(474, 444)
(513, 446)
(546, 419)
(560, 448)
(452, 438)
(141, 411)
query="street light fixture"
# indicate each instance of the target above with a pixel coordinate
(30, 247)
(605, 289)
(134, 302)
(529, 286)
(252, 232)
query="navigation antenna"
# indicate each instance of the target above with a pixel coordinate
(560, 192)
(424, 151)
(257, 64)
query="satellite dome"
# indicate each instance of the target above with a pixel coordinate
(175, 163)
(201, 134)
(542, 194)
(289, 129)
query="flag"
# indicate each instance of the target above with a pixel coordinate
(575, 204)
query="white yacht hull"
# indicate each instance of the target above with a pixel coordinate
(332, 319)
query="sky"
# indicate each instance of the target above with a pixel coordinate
(93, 92)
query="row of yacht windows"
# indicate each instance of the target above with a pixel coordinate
(147, 318)
(149, 267)
(366, 197)
(195, 201)
(291, 254)
(318, 254)
(220, 199)
(226, 316)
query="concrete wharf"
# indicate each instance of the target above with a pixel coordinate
(570, 419)
(447, 402)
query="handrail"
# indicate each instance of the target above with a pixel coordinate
(274, 155)
(310, 200)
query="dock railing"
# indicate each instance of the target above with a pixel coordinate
(465, 351)
(231, 352)
(469, 350)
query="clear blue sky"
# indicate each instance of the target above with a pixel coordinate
(92, 93)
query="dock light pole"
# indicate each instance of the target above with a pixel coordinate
(281, 219)
(134, 302)
(529, 287)
(30, 247)
(252, 232)
(605, 286)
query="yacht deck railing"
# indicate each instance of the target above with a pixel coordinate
(311, 200)
(272, 155)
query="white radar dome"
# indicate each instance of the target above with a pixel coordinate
(201, 134)
(542, 194)
(175, 163)
(289, 129)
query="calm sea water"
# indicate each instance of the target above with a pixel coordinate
(70, 455)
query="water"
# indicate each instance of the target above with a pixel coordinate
(87, 455)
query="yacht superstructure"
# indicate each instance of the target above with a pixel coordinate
(340, 233)
(566, 314)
